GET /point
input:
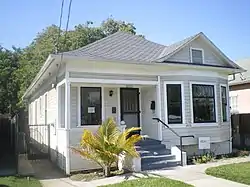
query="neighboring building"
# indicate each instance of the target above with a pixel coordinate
(239, 85)
(133, 80)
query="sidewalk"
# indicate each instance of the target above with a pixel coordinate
(196, 176)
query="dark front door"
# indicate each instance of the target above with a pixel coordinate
(130, 107)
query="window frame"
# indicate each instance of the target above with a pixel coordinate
(191, 56)
(80, 103)
(175, 125)
(202, 124)
(228, 104)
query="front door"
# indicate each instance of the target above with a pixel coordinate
(130, 107)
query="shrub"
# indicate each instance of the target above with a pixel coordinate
(105, 146)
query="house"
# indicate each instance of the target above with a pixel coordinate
(132, 79)
(239, 85)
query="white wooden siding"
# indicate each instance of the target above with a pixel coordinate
(149, 126)
(73, 106)
(109, 102)
(209, 55)
(217, 133)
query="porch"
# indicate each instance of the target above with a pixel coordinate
(84, 105)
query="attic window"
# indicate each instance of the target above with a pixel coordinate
(197, 56)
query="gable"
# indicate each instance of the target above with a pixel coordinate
(210, 55)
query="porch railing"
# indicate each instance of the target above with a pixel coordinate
(179, 136)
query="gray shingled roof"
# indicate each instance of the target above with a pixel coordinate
(126, 47)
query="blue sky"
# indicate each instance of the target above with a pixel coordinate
(226, 23)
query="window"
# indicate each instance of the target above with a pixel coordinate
(224, 102)
(174, 103)
(234, 103)
(197, 56)
(91, 107)
(203, 103)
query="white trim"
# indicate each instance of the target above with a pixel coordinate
(78, 125)
(61, 83)
(159, 107)
(67, 120)
(119, 106)
(140, 107)
(103, 103)
(112, 81)
(183, 103)
(215, 100)
(79, 106)
(202, 52)
(228, 105)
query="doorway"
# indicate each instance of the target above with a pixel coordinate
(130, 106)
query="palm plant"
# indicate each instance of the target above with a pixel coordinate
(106, 145)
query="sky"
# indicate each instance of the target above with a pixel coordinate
(225, 22)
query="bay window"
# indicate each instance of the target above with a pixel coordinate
(203, 99)
(174, 104)
(91, 106)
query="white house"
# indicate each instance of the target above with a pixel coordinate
(133, 80)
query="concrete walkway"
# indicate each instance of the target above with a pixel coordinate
(196, 176)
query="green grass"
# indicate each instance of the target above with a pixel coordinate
(235, 172)
(19, 182)
(150, 182)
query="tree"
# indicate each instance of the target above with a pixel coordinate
(47, 42)
(111, 26)
(8, 84)
(105, 146)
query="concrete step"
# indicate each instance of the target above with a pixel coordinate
(154, 152)
(152, 159)
(150, 147)
(159, 165)
(148, 141)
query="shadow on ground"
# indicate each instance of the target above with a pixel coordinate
(44, 169)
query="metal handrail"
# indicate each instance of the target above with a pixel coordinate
(181, 137)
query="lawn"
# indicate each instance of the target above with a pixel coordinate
(150, 182)
(235, 172)
(19, 182)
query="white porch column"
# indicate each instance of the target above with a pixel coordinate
(158, 105)
(67, 121)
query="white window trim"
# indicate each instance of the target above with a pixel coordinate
(183, 124)
(78, 125)
(202, 52)
(228, 105)
(216, 105)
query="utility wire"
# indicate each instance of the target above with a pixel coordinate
(65, 36)
(59, 30)
(66, 29)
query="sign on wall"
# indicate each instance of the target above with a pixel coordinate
(204, 142)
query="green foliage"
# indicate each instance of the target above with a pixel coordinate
(19, 67)
(150, 182)
(105, 146)
(235, 172)
(19, 182)
(205, 158)
(8, 82)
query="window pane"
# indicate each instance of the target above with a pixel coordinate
(91, 108)
(224, 102)
(174, 102)
(203, 103)
(196, 56)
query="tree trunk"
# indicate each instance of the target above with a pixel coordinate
(106, 171)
